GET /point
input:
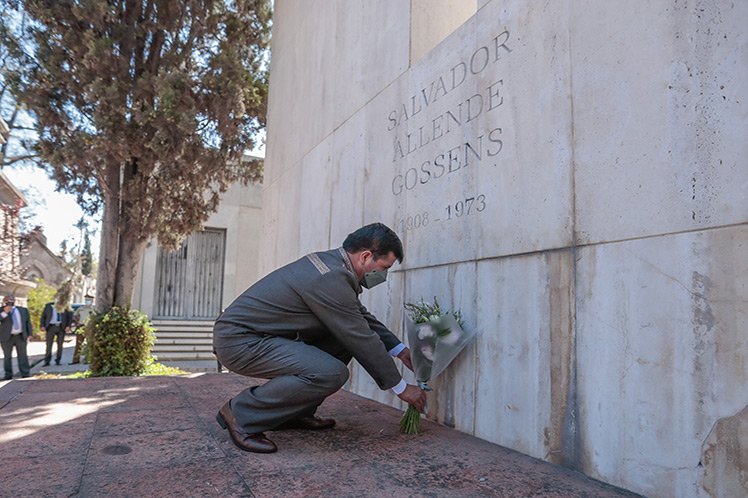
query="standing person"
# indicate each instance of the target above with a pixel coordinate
(56, 320)
(80, 317)
(15, 330)
(299, 327)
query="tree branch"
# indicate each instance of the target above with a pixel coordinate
(12, 120)
(15, 159)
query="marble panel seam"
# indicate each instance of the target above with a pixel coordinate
(406, 268)
(663, 234)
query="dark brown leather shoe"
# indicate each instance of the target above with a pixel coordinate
(308, 423)
(256, 443)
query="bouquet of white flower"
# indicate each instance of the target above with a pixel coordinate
(435, 337)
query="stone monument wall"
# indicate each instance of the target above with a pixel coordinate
(573, 176)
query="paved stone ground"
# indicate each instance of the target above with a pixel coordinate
(157, 436)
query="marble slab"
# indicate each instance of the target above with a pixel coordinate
(470, 156)
(660, 117)
(329, 59)
(661, 354)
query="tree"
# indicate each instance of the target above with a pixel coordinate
(10, 244)
(29, 217)
(142, 108)
(15, 150)
(42, 294)
(86, 256)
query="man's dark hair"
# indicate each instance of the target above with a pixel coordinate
(377, 238)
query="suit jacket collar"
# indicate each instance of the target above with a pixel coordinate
(349, 267)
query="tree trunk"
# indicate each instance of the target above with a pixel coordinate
(131, 252)
(109, 248)
(121, 250)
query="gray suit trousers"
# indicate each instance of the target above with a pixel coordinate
(300, 377)
(19, 343)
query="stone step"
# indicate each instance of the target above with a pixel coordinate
(183, 355)
(185, 335)
(164, 341)
(184, 340)
(182, 323)
(183, 347)
(181, 328)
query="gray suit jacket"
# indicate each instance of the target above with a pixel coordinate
(310, 299)
(6, 325)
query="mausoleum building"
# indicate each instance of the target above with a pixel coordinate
(573, 177)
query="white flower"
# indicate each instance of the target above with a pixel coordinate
(451, 337)
(425, 331)
(428, 352)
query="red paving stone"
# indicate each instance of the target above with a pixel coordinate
(157, 436)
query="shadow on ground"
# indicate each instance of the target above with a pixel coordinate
(157, 436)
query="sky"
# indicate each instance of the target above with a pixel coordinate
(56, 212)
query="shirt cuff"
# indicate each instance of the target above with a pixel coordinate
(3, 314)
(400, 387)
(397, 350)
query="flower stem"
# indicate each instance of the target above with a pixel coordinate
(411, 421)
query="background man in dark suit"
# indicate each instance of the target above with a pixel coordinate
(56, 320)
(15, 330)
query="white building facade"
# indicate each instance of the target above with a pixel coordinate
(572, 176)
(213, 266)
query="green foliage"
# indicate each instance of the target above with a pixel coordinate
(144, 109)
(151, 369)
(423, 312)
(38, 298)
(64, 296)
(79, 375)
(121, 342)
(411, 421)
(154, 368)
(86, 256)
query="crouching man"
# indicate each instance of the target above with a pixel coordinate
(299, 327)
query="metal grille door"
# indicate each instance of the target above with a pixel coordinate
(190, 280)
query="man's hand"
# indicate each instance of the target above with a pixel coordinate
(415, 396)
(7, 308)
(405, 358)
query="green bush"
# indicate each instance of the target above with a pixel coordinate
(39, 296)
(152, 369)
(155, 368)
(121, 342)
